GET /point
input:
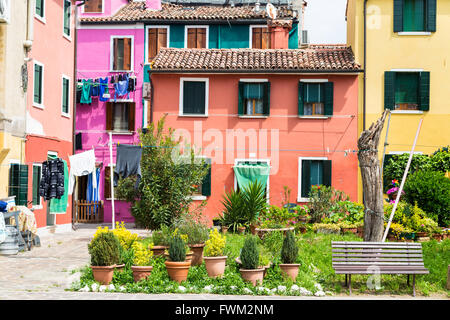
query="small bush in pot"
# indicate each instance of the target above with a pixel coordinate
(214, 257)
(249, 258)
(142, 260)
(104, 250)
(161, 240)
(177, 266)
(289, 255)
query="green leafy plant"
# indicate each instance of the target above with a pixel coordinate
(177, 249)
(250, 253)
(277, 217)
(215, 245)
(193, 226)
(324, 201)
(162, 237)
(104, 249)
(255, 201)
(233, 212)
(440, 160)
(142, 254)
(431, 191)
(289, 250)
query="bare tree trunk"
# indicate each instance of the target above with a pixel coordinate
(372, 180)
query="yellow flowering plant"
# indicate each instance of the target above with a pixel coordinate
(142, 254)
(126, 237)
(215, 245)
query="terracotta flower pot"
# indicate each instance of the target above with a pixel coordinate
(422, 234)
(241, 230)
(197, 257)
(141, 272)
(159, 250)
(215, 266)
(253, 229)
(224, 229)
(290, 270)
(119, 267)
(351, 230)
(252, 275)
(437, 236)
(103, 274)
(178, 270)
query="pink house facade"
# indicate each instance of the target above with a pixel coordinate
(104, 52)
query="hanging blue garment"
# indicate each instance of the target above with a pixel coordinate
(103, 88)
(121, 89)
(86, 92)
(95, 88)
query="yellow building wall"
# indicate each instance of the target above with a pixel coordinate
(387, 50)
(12, 149)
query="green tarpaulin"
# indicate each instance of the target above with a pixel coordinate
(250, 172)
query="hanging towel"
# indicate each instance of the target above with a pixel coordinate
(95, 88)
(103, 87)
(121, 89)
(59, 206)
(52, 180)
(128, 162)
(81, 164)
(86, 92)
(2, 228)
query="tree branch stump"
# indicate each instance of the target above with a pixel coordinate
(372, 180)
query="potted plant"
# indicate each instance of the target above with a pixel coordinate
(241, 229)
(177, 266)
(327, 228)
(224, 229)
(393, 191)
(214, 258)
(141, 267)
(249, 257)
(289, 255)
(160, 240)
(104, 251)
(348, 227)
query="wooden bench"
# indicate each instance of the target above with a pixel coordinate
(377, 258)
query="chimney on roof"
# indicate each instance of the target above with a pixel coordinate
(279, 30)
(153, 4)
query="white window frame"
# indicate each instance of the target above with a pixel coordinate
(182, 80)
(42, 19)
(64, 77)
(237, 161)
(36, 206)
(199, 197)
(42, 104)
(111, 55)
(186, 27)
(299, 189)
(147, 39)
(250, 33)
(103, 9)
(68, 36)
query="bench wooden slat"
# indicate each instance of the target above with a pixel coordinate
(376, 260)
(375, 251)
(377, 255)
(375, 247)
(375, 243)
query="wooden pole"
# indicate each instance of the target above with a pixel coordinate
(111, 168)
(405, 173)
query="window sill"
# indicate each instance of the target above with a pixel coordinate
(414, 33)
(67, 37)
(65, 115)
(198, 198)
(407, 112)
(193, 115)
(39, 106)
(314, 117)
(253, 117)
(41, 19)
(303, 200)
(36, 207)
(120, 71)
(126, 133)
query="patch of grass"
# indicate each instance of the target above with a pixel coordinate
(316, 268)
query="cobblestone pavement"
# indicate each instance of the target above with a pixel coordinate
(46, 271)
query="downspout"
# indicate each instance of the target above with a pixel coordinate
(151, 95)
(365, 65)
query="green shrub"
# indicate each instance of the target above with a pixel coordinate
(177, 249)
(161, 237)
(255, 201)
(431, 191)
(250, 253)
(104, 249)
(440, 160)
(289, 250)
(323, 201)
(233, 213)
(193, 226)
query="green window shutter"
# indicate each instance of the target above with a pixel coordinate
(40, 8)
(389, 90)
(306, 178)
(206, 184)
(36, 182)
(301, 98)
(398, 15)
(329, 97)
(266, 98)
(431, 15)
(65, 94)
(424, 91)
(194, 97)
(13, 189)
(241, 86)
(38, 84)
(326, 173)
(23, 185)
(67, 8)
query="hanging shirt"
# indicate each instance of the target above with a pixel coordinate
(103, 88)
(52, 181)
(128, 162)
(59, 206)
(121, 89)
(86, 92)
(81, 164)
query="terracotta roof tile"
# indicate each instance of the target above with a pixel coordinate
(135, 11)
(272, 60)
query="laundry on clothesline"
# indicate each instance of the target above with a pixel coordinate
(128, 162)
(51, 185)
(81, 164)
